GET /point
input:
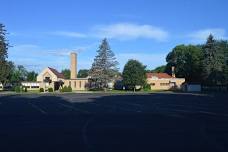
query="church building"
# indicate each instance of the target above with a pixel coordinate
(51, 78)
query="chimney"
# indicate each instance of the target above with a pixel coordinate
(173, 72)
(73, 66)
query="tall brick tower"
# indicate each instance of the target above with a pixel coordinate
(173, 72)
(73, 65)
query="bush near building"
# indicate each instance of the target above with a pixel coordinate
(50, 90)
(66, 89)
(19, 89)
(41, 89)
(147, 87)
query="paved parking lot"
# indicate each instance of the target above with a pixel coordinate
(110, 123)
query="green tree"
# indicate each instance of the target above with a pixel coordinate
(160, 69)
(213, 62)
(83, 73)
(134, 74)
(66, 73)
(226, 62)
(4, 64)
(8, 68)
(31, 76)
(223, 49)
(104, 66)
(3, 43)
(187, 61)
(19, 74)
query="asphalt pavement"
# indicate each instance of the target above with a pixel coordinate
(158, 122)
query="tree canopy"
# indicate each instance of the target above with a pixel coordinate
(18, 75)
(66, 73)
(160, 69)
(83, 73)
(187, 60)
(134, 74)
(207, 63)
(31, 76)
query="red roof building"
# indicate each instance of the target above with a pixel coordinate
(158, 76)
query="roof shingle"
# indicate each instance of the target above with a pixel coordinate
(158, 75)
(59, 75)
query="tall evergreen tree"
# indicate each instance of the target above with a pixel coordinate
(4, 64)
(213, 62)
(226, 63)
(104, 67)
(223, 47)
(3, 43)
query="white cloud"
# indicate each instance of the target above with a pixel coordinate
(69, 34)
(120, 31)
(126, 31)
(202, 35)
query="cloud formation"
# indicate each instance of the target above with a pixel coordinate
(69, 34)
(120, 31)
(127, 31)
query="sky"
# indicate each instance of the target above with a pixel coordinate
(42, 33)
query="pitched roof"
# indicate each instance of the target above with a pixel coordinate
(59, 75)
(158, 75)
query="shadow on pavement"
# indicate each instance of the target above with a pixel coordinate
(113, 123)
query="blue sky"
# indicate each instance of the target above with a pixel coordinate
(44, 32)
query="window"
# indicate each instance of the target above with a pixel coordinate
(75, 84)
(70, 83)
(35, 87)
(152, 84)
(164, 84)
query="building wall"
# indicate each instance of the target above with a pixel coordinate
(77, 84)
(32, 86)
(165, 84)
(179, 82)
(45, 85)
(46, 73)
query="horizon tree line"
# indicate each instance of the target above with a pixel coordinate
(206, 63)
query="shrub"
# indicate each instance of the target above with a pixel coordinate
(17, 89)
(41, 89)
(147, 87)
(69, 89)
(66, 89)
(50, 90)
